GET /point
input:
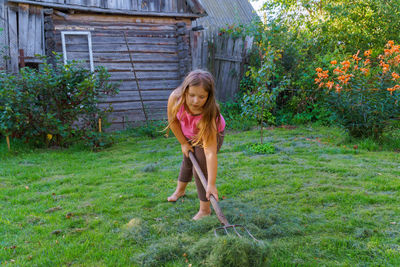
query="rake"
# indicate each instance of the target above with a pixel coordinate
(217, 209)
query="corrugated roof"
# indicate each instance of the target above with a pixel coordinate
(223, 12)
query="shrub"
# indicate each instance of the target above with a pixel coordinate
(55, 105)
(364, 93)
(265, 148)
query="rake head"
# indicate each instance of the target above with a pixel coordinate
(234, 227)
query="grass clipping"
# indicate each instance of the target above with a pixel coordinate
(223, 251)
(229, 250)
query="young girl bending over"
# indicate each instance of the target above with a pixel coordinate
(196, 122)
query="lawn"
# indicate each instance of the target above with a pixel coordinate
(313, 202)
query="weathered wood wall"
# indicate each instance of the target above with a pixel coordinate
(224, 57)
(159, 49)
(22, 29)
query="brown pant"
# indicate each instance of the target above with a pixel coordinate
(187, 171)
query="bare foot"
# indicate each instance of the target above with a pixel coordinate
(175, 196)
(201, 214)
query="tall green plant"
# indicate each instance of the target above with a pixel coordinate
(259, 102)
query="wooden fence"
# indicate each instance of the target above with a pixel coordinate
(224, 56)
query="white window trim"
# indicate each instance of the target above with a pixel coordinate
(64, 48)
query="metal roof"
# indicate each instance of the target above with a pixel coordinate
(225, 12)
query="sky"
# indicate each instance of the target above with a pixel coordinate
(257, 5)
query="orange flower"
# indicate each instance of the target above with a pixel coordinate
(396, 60)
(323, 74)
(391, 90)
(355, 57)
(388, 52)
(329, 85)
(365, 71)
(385, 66)
(337, 71)
(318, 69)
(333, 62)
(345, 78)
(390, 44)
(356, 67)
(317, 80)
(338, 88)
(367, 53)
(367, 61)
(395, 76)
(320, 85)
(346, 65)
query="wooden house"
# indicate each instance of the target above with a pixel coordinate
(144, 44)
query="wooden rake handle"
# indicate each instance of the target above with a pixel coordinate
(214, 202)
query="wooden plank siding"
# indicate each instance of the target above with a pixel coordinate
(3, 35)
(153, 6)
(153, 47)
(13, 38)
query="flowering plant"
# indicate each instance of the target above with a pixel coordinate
(364, 92)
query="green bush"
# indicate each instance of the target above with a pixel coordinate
(55, 105)
(264, 148)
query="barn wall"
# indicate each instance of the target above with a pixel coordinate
(157, 47)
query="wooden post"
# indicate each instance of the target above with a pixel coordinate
(8, 142)
(99, 125)
(21, 58)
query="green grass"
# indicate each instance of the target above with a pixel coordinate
(316, 201)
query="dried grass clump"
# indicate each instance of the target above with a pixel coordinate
(228, 251)
(165, 250)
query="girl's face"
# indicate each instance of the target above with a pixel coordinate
(196, 98)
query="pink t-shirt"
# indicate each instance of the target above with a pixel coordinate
(189, 123)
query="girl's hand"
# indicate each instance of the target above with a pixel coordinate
(211, 190)
(186, 148)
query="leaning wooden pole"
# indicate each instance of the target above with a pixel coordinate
(136, 79)
(8, 142)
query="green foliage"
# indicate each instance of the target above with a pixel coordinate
(55, 105)
(310, 33)
(151, 128)
(336, 23)
(96, 140)
(232, 112)
(261, 100)
(265, 148)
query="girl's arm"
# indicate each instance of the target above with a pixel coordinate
(210, 151)
(176, 127)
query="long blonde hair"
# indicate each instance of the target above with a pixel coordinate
(208, 124)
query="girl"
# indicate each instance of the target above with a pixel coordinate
(196, 122)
